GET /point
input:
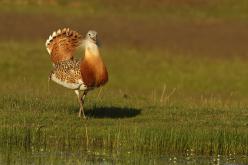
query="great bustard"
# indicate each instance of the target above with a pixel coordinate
(80, 75)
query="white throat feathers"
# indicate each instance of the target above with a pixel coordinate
(91, 49)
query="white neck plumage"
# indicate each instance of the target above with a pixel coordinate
(91, 49)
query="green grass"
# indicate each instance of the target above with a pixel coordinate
(155, 101)
(158, 100)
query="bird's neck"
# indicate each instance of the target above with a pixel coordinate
(91, 50)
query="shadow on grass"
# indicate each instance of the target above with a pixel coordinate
(112, 112)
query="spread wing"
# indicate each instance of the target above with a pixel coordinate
(62, 44)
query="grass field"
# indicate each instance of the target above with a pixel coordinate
(174, 86)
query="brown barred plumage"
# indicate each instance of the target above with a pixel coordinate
(62, 44)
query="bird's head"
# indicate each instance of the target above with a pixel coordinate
(91, 42)
(91, 36)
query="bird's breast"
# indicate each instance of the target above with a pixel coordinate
(93, 71)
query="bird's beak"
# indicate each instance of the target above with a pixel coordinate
(95, 39)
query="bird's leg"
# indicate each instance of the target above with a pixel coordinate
(81, 110)
(49, 80)
(82, 100)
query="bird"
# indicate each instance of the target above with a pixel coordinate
(81, 75)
